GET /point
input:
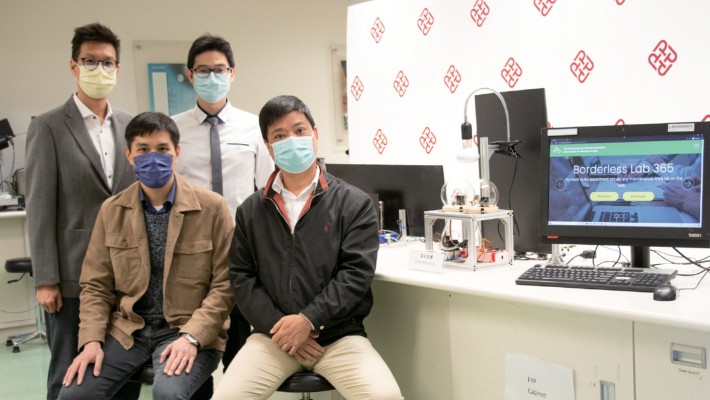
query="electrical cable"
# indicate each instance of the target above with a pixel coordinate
(704, 269)
(516, 228)
(19, 312)
(704, 272)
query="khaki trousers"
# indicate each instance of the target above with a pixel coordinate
(350, 364)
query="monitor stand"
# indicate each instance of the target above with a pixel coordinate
(640, 257)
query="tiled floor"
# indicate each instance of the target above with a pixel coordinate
(23, 375)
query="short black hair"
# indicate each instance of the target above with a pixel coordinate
(209, 42)
(94, 33)
(150, 122)
(279, 106)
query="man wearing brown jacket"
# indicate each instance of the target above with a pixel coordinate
(154, 281)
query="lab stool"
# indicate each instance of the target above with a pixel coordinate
(23, 265)
(305, 382)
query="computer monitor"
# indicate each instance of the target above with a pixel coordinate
(517, 179)
(415, 188)
(629, 185)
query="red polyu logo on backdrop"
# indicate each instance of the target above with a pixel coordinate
(357, 88)
(480, 12)
(452, 79)
(426, 20)
(706, 118)
(427, 140)
(620, 122)
(401, 83)
(620, 2)
(380, 141)
(662, 58)
(377, 30)
(581, 66)
(544, 6)
(511, 72)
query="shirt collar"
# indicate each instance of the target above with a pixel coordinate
(167, 204)
(279, 187)
(223, 114)
(86, 112)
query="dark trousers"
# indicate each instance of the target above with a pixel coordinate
(62, 337)
(120, 364)
(239, 331)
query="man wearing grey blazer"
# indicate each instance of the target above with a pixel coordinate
(74, 161)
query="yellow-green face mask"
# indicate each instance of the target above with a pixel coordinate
(98, 83)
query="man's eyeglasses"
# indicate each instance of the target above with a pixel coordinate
(204, 72)
(90, 63)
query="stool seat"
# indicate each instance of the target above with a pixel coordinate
(21, 265)
(302, 382)
(145, 375)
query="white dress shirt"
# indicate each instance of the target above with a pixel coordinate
(245, 158)
(102, 137)
(294, 203)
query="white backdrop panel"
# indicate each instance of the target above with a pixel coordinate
(411, 64)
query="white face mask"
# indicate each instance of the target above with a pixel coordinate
(98, 83)
(213, 88)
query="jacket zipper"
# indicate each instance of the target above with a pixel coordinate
(293, 234)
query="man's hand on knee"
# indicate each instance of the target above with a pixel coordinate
(92, 354)
(180, 356)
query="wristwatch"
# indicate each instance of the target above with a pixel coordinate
(191, 339)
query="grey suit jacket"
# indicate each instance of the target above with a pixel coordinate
(66, 186)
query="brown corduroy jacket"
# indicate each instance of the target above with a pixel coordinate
(197, 297)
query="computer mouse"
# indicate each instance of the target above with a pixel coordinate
(665, 292)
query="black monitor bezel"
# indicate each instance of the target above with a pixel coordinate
(625, 236)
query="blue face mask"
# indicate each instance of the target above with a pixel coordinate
(294, 154)
(154, 169)
(213, 88)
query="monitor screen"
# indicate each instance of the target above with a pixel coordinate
(415, 188)
(635, 185)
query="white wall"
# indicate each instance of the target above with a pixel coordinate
(280, 46)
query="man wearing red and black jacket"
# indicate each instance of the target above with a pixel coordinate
(301, 264)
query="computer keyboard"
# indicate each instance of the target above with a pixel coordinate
(628, 279)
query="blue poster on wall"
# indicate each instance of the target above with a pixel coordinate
(170, 90)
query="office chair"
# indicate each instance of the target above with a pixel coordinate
(305, 382)
(23, 265)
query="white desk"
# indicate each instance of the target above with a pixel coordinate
(446, 335)
(16, 299)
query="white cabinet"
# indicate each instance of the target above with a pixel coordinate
(409, 327)
(671, 363)
(483, 330)
(449, 345)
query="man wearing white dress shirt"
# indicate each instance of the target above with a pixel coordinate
(222, 147)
